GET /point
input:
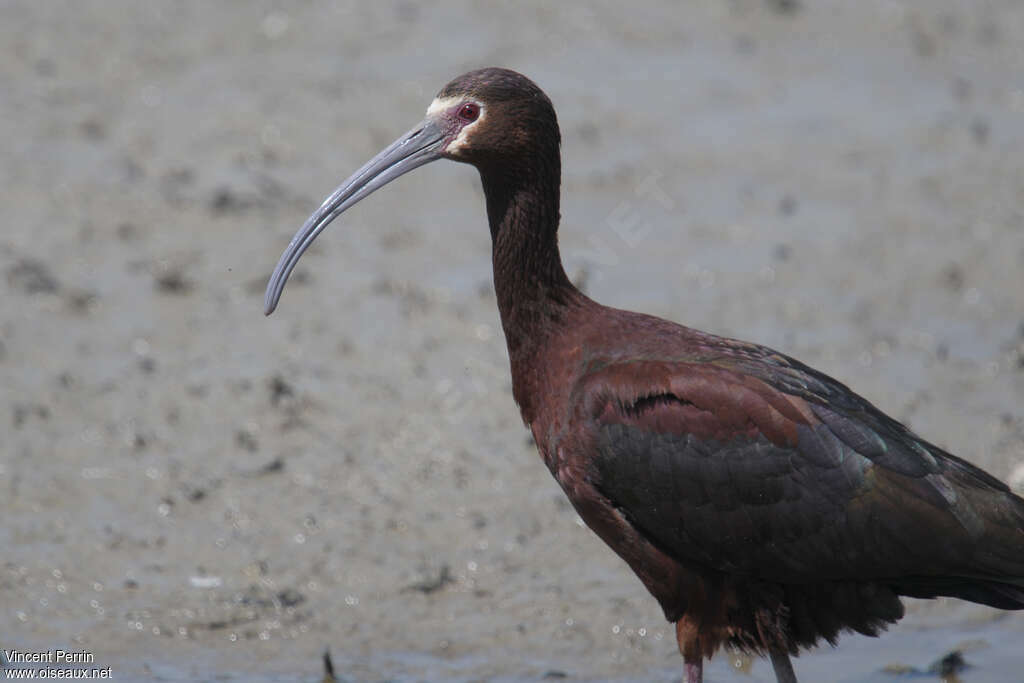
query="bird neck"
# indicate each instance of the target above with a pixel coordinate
(535, 297)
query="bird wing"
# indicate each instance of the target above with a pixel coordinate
(750, 462)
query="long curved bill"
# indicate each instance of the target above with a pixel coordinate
(419, 146)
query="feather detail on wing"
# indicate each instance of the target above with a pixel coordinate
(772, 470)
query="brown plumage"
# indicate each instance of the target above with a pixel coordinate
(761, 502)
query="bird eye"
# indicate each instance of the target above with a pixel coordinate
(469, 111)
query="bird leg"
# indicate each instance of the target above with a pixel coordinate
(688, 639)
(783, 667)
(693, 670)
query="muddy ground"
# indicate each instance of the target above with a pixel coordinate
(192, 491)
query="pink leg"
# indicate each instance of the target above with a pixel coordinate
(694, 670)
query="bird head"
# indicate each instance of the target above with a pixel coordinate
(488, 118)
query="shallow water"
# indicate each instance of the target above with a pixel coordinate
(990, 652)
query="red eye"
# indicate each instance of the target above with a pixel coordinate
(469, 111)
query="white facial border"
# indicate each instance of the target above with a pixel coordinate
(442, 104)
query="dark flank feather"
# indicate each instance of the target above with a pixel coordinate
(736, 460)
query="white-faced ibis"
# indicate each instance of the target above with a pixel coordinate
(763, 503)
